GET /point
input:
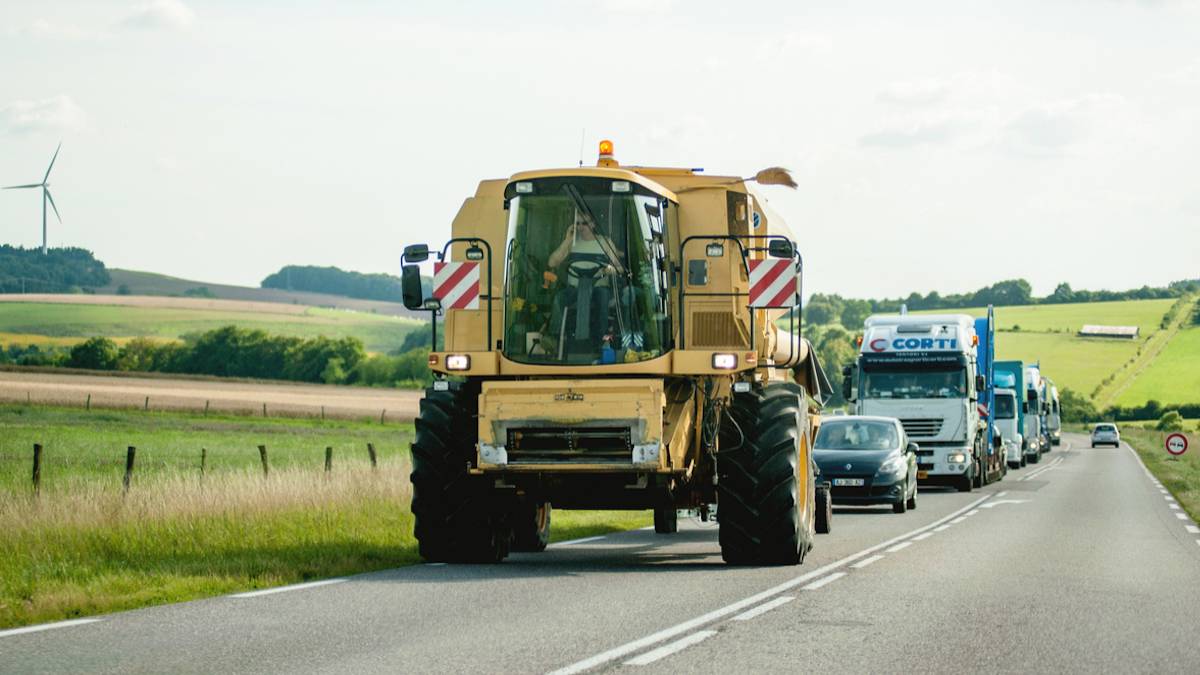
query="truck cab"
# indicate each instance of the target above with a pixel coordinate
(1036, 428)
(923, 370)
(1008, 423)
(1053, 415)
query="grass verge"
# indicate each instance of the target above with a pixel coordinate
(1181, 476)
(83, 547)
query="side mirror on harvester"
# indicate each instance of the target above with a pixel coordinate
(415, 253)
(410, 287)
(780, 248)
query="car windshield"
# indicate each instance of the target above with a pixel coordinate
(893, 383)
(1006, 407)
(856, 435)
(584, 285)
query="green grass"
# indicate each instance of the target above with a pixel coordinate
(1181, 476)
(1173, 377)
(83, 548)
(1070, 362)
(378, 332)
(1145, 314)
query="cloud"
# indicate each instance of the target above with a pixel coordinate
(638, 6)
(1051, 128)
(938, 131)
(56, 114)
(915, 92)
(160, 15)
(41, 29)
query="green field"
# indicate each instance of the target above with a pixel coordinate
(33, 322)
(83, 547)
(1047, 333)
(1173, 377)
(1181, 476)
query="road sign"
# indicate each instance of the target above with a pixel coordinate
(456, 284)
(1177, 444)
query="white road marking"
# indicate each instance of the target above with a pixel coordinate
(646, 528)
(826, 580)
(285, 589)
(1169, 498)
(619, 651)
(1174, 506)
(899, 547)
(667, 650)
(46, 626)
(993, 504)
(921, 537)
(971, 512)
(764, 608)
(572, 542)
(958, 520)
(1181, 516)
(435, 564)
(943, 527)
(1192, 529)
(1001, 493)
(863, 563)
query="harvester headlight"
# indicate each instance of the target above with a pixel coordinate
(458, 362)
(714, 250)
(524, 188)
(620, 186)
(741, 387)
(474, 253)
(957, 458)
(724, 361)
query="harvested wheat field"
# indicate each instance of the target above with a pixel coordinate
(292, 400)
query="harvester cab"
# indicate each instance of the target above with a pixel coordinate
(614, 338)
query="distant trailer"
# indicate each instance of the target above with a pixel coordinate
(1119, 332)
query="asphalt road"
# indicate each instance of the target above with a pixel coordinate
(1077, 564)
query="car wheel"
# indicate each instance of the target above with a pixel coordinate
(901, 505)
(1023, 461)
(912, 501)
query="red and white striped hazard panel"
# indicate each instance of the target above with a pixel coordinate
(456, 284)
(772, 283)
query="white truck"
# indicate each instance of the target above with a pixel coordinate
(1008, 422)
(1053, 414)
(1036, 429)
(925, 371)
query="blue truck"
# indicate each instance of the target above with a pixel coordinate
(1011, 414)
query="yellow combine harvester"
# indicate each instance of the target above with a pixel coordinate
(611, 342)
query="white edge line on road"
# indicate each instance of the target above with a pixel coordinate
(867, 561)
(958, 520)
(899, 547)
(1181, 516)
(667, 633)
(824, 581)
(435, 564)
(1173, 506)
(285, 589)
(1192, 529)
(1169, 498)
(764, 608)
(572, 542)
(972, 511)
(1001, 494)
(942, 527)
(922, 537)
(667, 650)
(46, 626)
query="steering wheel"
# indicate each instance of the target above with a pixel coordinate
(585, 265)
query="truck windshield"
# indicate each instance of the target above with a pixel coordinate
(583, 283)
(1006, 407)
(856, 435)
(915, 383)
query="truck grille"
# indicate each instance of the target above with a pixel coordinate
(557, 445)
(922, 426)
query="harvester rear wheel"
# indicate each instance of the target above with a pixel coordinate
(758, 487)
(666, 520)
(455, 521)
(531, 527)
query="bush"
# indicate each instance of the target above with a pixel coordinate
(96, 353)
(1076, 407)
(1171, 421)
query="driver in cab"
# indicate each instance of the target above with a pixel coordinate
(586, 254)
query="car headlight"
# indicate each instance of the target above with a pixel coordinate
(957, 458)
(893, 465)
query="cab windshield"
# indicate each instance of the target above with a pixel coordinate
(916, 384)
(583, 284)
(1006, 407)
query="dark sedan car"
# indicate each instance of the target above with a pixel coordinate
(868, 460)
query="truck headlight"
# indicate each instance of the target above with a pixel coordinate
(724, 361)
(458, 362)
(957, 458)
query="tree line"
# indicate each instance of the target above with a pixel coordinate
(61, 270)
(238, 352)
(335, 281)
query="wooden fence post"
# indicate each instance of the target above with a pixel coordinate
(371, 454)
(328, 459)
(129, 455)
(381, 415)
(37, 469)
(262, 453)
(264, 409)
(88, 406)
(203, 460)
(147, 404)
(322, 412)
(206, 408)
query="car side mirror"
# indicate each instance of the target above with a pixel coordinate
(410, 287)
(912, 447)
(780, 248)
(980, 383)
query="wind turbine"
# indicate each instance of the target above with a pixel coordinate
(45, 185)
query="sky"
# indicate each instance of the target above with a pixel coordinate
(937, 145)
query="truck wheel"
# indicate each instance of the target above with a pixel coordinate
(531, 527)
(981, 477)
(666, 520)
(758, 486)
(824, 519)
(454, 519)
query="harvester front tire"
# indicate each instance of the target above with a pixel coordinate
(758, 486)
(455, 520)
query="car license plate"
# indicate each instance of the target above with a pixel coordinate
(922, 474)
(848, 482)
